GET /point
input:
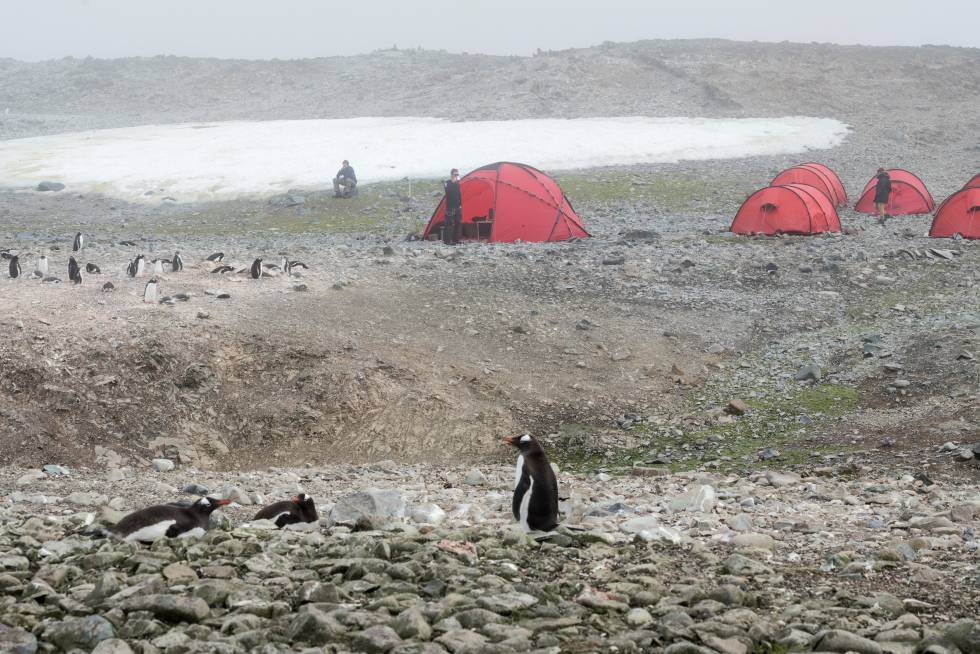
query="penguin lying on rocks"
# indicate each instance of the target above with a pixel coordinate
(535, 502)
(299, 509)
(168, 521)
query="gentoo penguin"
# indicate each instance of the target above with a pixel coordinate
(299, 509)
(74, 274)
(108, 287)
(42, 265)
(221, 270)
(298, 264)
(150, 292)
(285, 266)
(14, 267)
(157, 266)
(168, 521)
(78, 243)
(217, 256)
(535, 503)
(176, 264)
(128, 243)
(92, 269)
(256, 270)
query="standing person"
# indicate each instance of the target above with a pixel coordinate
(883, 189)
(345, 179)
(451, 226)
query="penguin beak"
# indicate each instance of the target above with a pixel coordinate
(512, 440)
(221, 502)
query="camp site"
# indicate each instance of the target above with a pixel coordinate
(416, 328)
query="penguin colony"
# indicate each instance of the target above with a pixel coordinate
(534, 504)
(137, 267)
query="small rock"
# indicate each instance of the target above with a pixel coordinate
(50, 186)
(699, 498)
(809, 372)
(838, 640)
(475, 478)
(162, 465)
(376, 640)
(638, 617)
(737, 408)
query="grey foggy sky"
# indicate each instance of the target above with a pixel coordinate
(265, 29)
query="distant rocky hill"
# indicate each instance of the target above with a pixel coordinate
(925, 95)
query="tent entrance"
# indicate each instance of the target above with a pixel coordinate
(478, 210)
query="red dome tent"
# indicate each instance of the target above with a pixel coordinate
(958, 214)
(973, 182)
(787, 209)
(909, 195)
(817, 176)
(505, 202)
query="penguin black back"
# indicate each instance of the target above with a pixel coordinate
(535, 501)
(14, 267)
(176, 264)
(167, 520)
(256, 270)
(217, 256)
(74, 274)
(301, 508)
(78, 243)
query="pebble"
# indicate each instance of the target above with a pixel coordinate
(162, 465)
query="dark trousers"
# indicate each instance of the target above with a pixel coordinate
(452, 227)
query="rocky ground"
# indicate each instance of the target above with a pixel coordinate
(766, 445)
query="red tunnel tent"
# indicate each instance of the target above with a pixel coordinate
(817, 176)
(958, 214)
(909, 195)
(787, 209)
(505, 202)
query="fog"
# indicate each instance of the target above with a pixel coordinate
(265, 29)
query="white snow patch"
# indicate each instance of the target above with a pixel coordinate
(213, 161)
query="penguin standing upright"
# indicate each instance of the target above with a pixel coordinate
(256, 270)
(535, 502)
(176, 264)
(150, 291)
(140, 264)
(14, 267)
(301, 508)
(168, 521)
(42, 265)
(157, 267)
(78, 243)
(74, 274)
(285, 266)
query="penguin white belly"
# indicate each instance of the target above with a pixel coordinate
(152, 532)
(525, 505)
(519, 470)
(196, 532)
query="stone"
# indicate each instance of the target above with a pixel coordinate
(462, 641)
(53, 470)
(809, 372)
(506, 603)
(16, 641)
(429, 513)
(614, 261)
(638, 617)
(87, 499)
(760, 541)
(162, 465)
(378, 639)
(782, 479)
(475, 478)
(82, 633)
(172, 608)
(738, 564)
(838, 640)
(370, 509)
(410, 623)
(31, 477)
(50, 186)
(601, 601)
(311, 625)
(739, 522)
(196, 489)
(699, 499)
(737, 407)
(113, 646)
(965, 634)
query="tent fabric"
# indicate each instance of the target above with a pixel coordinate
(909, 195)
(511, 201)
(786, 209)
(811, 175)
(834, 181)
(973, 183)
(958, 214)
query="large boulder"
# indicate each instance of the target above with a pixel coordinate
(79, 633)
(369, 509)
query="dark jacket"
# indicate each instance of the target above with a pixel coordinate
(454, 197)
(348, 172)
(883, 187)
